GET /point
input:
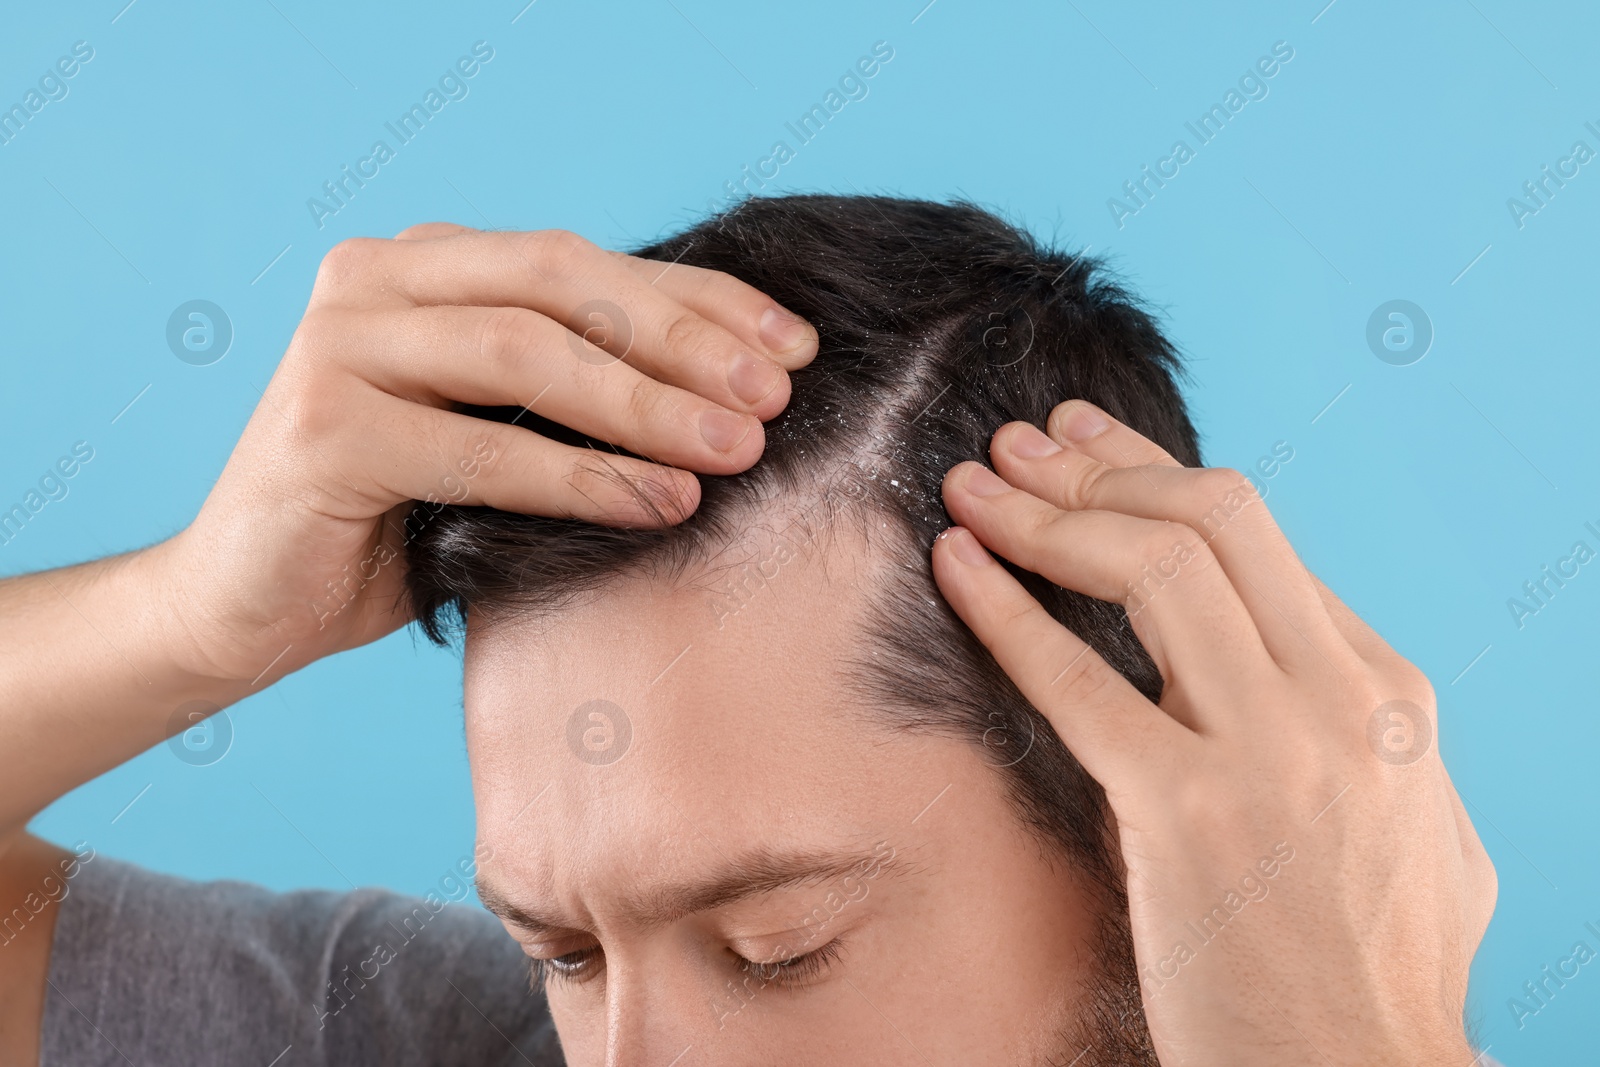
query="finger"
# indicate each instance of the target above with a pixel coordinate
(1219, 504)
(1118, 735)
(504, 356)
(1180, 604)
(743, 310)
(424, 231)
(1095, 433)
(412, 451)
(559, 274)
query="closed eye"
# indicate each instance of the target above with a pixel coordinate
(574, 967)
(584, 964)
(797, 970)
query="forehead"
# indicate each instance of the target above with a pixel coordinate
(716, 654)
(656, 726)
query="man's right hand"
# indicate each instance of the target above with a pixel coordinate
(298, 551)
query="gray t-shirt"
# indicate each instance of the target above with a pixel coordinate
(153, 971)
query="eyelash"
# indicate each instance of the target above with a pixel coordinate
(544, 972)
(795, 971)
(572, 968)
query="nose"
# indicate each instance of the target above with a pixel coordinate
(652, 1021)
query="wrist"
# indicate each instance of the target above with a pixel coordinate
(152, 591)
(189, 645)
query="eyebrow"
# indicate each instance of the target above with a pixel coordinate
(753, 874)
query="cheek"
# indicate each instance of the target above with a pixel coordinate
(580, 1018)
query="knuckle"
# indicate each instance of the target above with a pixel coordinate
(348, 263)
(1048, 527)
(1167, 546)
(589, 481)
(712, 283)
(310, 392)
(1087, 679)
(1413, 684)
(684, 333)
(320, 330)
(1198, 801)
(1219, 483)
(663, 495)
(1016, 615)
(1080, 482)
(555, 251)
(507, 335)
(425, 230)
(719, 286)
(486, 452)
(311, 413)
(1402, 682)
(646, 404)
(1223, 493)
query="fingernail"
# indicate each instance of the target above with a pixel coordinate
(967, 548)
(1083, 420)
(1030, 443)
(985, 482)
(751, 378)
(723, 430)
(784, 331)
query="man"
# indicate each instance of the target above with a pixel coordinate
(758, 781)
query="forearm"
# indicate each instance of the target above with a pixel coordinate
(94, 662)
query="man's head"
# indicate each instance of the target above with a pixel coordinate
(747, 779)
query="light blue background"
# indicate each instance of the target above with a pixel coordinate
(1378, 167)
